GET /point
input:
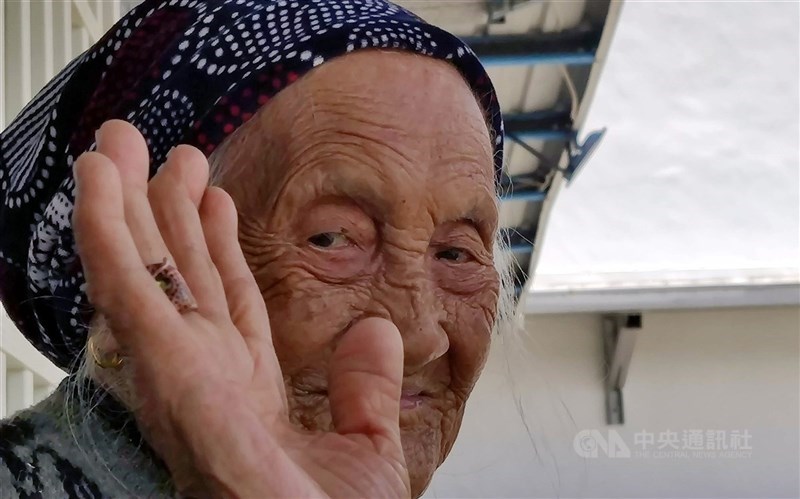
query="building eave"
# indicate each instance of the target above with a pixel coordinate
(644, 291)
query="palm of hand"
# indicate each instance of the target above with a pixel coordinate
(209, 390)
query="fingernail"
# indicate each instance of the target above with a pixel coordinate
(97, 136)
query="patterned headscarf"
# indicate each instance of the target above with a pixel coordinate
(182, 72)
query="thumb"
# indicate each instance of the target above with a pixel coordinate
(366, 377)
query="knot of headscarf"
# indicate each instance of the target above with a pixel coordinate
(182, 72)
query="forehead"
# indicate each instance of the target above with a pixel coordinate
(402, 121)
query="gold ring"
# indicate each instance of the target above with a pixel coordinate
(113, 361)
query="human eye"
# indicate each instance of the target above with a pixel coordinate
(329, 240)
(454, 254)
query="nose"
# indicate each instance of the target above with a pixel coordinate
(418, 314)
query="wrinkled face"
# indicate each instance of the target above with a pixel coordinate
(366, 189)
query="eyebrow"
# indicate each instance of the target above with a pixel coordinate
(361, 192)
(484, 215)
(480, 210)
(481, 214)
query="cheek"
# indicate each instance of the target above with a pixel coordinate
(306, 313)
(474, 282)
(470, 319)
(306, 317)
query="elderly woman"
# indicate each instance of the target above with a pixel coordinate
(261, 238)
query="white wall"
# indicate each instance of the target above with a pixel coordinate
(699, 168)
(26, 376)
(40, 37)
(728, 370)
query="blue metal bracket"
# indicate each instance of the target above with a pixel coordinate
(520, 188)
(524, 195)
(571, 46)
(519, 240)
(580, 154)
(499, 9)
(525, 126)
(543, 125)
(567, 58)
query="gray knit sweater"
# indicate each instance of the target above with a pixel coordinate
(63, 448)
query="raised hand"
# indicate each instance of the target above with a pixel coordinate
(209, 392)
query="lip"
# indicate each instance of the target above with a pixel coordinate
(410, 397)
(408, 402)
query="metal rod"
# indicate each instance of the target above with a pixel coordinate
(571, 46)
(526, 195)
(566, 58)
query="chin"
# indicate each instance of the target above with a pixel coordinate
(427, 432)
(422, 458)
(424, 445)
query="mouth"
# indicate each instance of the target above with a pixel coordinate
(410, 398)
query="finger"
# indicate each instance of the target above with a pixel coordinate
(366, 377)
(245, 303)
(175, 194)
(122, 143)
(117, 283)
(219, 220)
